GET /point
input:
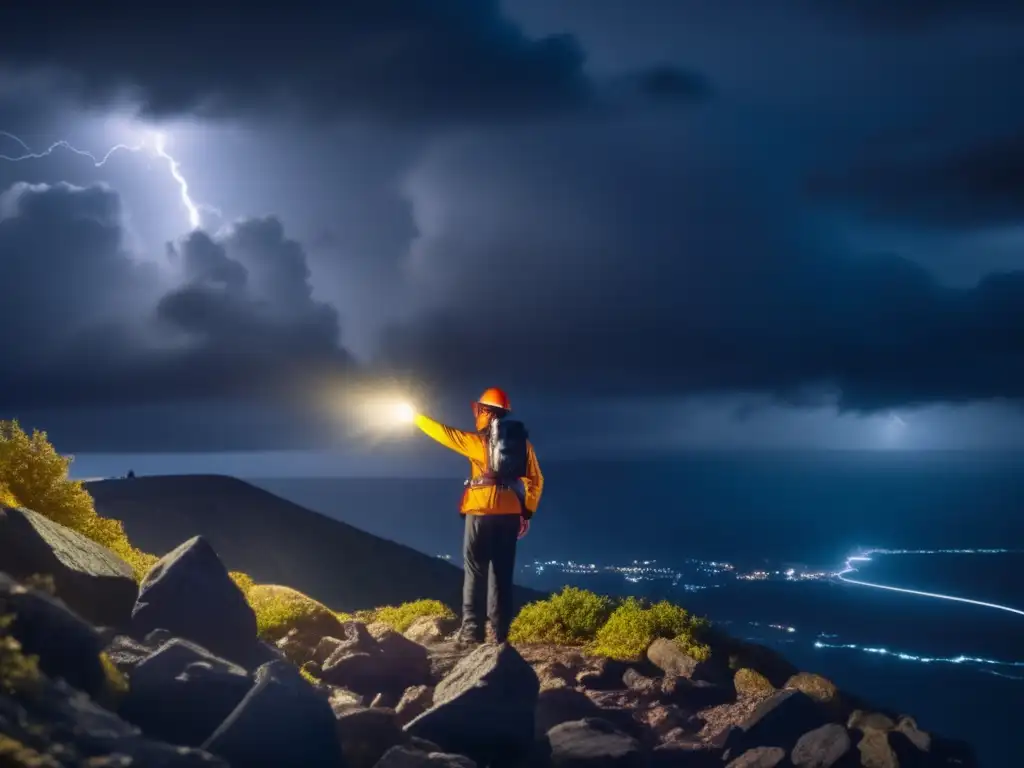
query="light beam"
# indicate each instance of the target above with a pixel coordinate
(849, 568)
(158, 144)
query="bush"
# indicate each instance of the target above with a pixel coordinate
(279, 609)
(571, 617)
(634, 625)
(401, 617)
(33, 475)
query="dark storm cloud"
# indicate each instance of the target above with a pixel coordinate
(975, 186)
(679, 274)
(903, 15)
(227, 317)
(398, 59)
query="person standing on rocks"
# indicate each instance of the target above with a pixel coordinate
(500, 498)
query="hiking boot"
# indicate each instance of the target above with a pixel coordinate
(469, 637)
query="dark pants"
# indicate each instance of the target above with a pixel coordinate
(489, 549)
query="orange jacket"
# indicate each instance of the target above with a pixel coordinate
(486, 500)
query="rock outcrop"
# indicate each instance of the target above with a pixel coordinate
(187, 683)
(92, 580)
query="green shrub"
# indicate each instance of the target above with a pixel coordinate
(33, 475)
(401, 617)
(634, 625)
(571, 617)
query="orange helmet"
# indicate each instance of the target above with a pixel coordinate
(495, 398)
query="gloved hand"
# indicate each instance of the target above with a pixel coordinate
(524, 527)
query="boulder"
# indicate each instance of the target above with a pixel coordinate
(860, 720)
(388, 663)
(126, 653)
(778, 721)
(592, 743)
(920, 739)
(341, 700)
(826, 747)
(406, 757)
(620, 709)
(775, 667)
(670, 658)
(554, 674)
(875, 750)
(750, 683)
(189, 593)
(694, 694)
(665, 719)
(640, 682)
(415, 701)
(324, 648)
(66, 645)
(407, 661)
(759, 757)
(484, 708)
(45, 722)
(562, 705)
(430, 630)
(686, 754)
(819, 688)
(603, 675)
(281, 721)
(94, 582)
(366, 734)
(181, 693)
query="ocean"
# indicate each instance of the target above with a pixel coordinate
(948, 524)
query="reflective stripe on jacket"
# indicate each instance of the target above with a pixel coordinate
(486, 500)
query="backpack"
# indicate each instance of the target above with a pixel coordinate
(506, 451)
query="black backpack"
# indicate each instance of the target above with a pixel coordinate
(506, 451)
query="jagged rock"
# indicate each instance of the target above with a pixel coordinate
(429, 630)
(875, 750)
(408, 661)
(53, 725)
(404, 757)
(281, 721)
(819, 688)
(295, 647)
(749, 682)
(671, 659)
(324, 649)
(126, 653)
(189, 593)
(342, 700)
(869, 721)
(368, 665)
(778, 721)
(920, 739)
(604, 675)
(366, 734)
(639, 682)
(415, 701)
(825, 747)
(620, 708)
(181, 693)
(694, 694)
(89, 578)
(759, 757)
(664, 719)
(67, 646)
(485, 707)
(686, 754)
(592, 743)
(562, 705)
(554, 674)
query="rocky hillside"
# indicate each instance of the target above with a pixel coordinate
(176, 676)
(276, 541)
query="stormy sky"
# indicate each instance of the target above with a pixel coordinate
(659, 225)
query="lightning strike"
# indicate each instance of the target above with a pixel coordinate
(848, 567)
(159, 146)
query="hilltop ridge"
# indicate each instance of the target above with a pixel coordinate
(277, 541)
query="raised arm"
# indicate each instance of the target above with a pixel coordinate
(466, 443)
(533, 482)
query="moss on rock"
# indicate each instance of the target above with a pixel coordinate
(401, 617)
(280, 609)
(749, 682)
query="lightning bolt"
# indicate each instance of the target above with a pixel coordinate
(159, 147)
